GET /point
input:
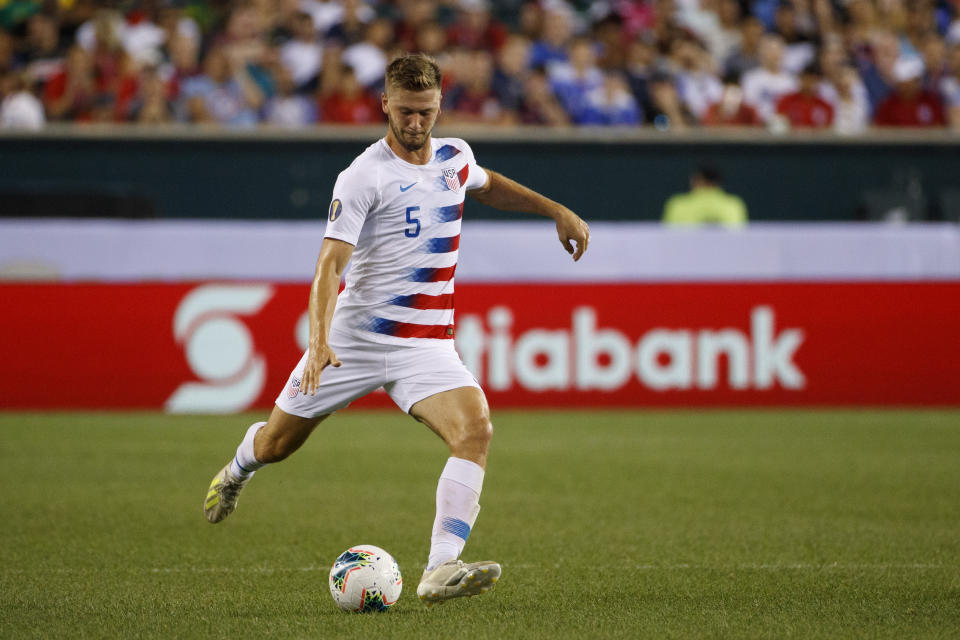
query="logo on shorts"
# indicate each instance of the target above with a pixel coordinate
(294, 388)
(336, 207)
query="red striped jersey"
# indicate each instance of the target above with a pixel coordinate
(404, 220)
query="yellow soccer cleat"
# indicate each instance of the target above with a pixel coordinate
(455, 579)
(222, 495)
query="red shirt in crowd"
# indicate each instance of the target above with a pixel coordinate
(805, 110)
(922, 110)
(744, 116)
(491, 38)
(362, 109)
(81, 108)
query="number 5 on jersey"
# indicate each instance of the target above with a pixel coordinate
(412, 233)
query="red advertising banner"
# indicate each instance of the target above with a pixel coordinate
(211, 347)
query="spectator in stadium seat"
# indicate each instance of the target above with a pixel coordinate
(804, 108)
(150, 105)
(325, 13)
(953, 31)
(431, 39)
(611, 104)
(540, 106)
(934, 54)
(799, 51)
(557, 30)
(43, 51)
(699, 21)
(573, 80)
(7, 60)
(176, 24)
(763, 86)
(349, 103)
(950, 87)
(641, 60)
(850, 105)
(746, 55)
(529, 20)
(730, 37)
(705, 203)
(302, 55)
(243, 33)
(610, 40)
(826, 15)
(143, 37)
(102, 38)
(666, 27)
(368, 58)
(636, 17)
(509, 77)
(472, 99)
(183, 63)
(225, 93)
(287, 108)
(697, 84)
(351, 26)
(413, 15)
(476, 28)
(920, 24)
(103, 33)
(125, 86)
(875, 62)
(19, 107)
(70, 94)
(731, 110)
(667, 111)
(910, 105)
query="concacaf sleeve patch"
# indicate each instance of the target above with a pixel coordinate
(335, 209)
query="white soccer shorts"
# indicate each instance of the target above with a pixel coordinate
(408, 373)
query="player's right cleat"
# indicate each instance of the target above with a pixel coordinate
(222, 495)
(455, 579)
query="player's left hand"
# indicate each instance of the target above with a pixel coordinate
(571, 229)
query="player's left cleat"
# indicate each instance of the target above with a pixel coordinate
(456, 579)
(222, 495)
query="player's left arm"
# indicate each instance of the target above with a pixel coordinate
(501, 192)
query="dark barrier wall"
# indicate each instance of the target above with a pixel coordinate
(256, 176)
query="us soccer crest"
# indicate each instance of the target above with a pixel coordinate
(294, 387)
(452, 179)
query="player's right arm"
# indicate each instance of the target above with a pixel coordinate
(334, 255)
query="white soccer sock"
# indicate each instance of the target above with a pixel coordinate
(244, 464)
(458, 495)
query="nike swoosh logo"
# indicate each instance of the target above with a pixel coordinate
(407, 188)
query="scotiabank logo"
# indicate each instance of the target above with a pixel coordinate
(219, 348)
(588, 357)
(230, 366)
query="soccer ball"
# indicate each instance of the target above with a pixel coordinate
(365, 578)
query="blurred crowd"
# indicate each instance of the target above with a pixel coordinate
(844, 65)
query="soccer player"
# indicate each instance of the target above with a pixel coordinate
(396, 211)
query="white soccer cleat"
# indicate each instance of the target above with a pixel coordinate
(222, 495)
(455, 579)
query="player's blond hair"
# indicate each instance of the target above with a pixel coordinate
(413, 72)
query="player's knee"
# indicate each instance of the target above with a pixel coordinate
(477, 430)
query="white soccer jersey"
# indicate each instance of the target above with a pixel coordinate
(404, 220)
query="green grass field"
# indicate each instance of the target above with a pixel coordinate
(614, 524)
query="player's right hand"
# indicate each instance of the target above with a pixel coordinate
(317, 360)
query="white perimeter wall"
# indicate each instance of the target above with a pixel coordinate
(118, 251)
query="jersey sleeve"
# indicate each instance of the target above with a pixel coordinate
(476, 176)
(353, 198)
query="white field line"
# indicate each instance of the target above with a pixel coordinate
(800, 566)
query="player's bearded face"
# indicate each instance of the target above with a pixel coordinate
(411, 115)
